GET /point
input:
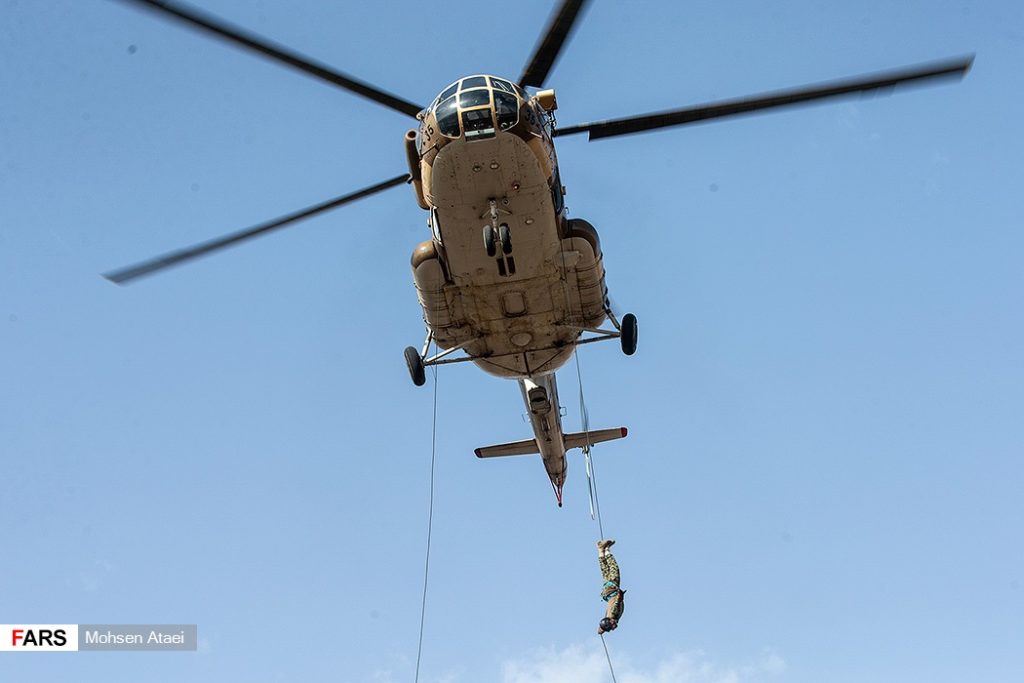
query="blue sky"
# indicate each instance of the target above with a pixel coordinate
(822, 479)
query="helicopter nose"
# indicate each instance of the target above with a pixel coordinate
(479, 109)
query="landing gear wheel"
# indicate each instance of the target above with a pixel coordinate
(489, 241)
(627, 334)
(415, 365)
(505, 237)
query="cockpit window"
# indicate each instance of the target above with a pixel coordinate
(448, 118)
(449, 91)
(500, 84)
(474, 98)
(474, 82)
(506, 106)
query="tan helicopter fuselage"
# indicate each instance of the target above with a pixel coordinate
(478, 164)
(507, 277)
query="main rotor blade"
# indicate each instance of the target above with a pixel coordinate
(270, 50)
(955, 68)
(546, 52)
(187, 254)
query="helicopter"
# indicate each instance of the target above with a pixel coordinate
(507, 280)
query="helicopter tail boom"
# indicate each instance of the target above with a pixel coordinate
(540, 394)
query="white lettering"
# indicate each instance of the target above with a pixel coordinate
(109, 638)
(167, 638)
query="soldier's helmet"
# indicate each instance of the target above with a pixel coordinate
(608, 624)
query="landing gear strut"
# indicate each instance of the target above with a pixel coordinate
(495, 233)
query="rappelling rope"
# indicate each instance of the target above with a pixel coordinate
(595, 508)
(430, 524)
(609, 658)
(595, 503)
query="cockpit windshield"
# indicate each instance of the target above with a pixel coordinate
(474, 82)
(481, 104)
(477, 97)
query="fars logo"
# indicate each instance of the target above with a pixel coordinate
(38, 637)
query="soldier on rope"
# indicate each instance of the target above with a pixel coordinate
(610, 592)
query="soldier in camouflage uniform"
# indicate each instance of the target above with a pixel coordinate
(610, 592)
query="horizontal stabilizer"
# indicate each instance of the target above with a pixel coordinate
(581, 439)
(529, 446)
(515, 448)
